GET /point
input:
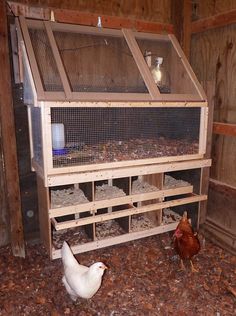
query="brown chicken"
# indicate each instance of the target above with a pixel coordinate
(186, 242)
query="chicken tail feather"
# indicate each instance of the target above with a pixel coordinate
(68, 258)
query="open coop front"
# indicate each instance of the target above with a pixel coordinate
(92, 136)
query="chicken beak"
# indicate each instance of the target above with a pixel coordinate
(105, 267)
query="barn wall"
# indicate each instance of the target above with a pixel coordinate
(213, 57)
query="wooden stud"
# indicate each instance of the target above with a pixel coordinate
(9, 141)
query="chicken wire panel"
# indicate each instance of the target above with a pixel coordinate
(166, 67)
(46, 63)
(98, 63)
(102, 135)
(36, 135)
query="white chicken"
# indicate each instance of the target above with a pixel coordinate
(79, 280)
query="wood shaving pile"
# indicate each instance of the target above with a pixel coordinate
(73, 236)
(106, 191)
(108, 229)
(171, 182)
(141, 222)
(67, 197)
(169, 216)
(139, 186)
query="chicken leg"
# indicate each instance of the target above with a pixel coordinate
(192, 267)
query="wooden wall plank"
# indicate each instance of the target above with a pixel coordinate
(144, 10)
(9, 141)
(215, 21)
(224, 129)
(208, 8)
(148, 17)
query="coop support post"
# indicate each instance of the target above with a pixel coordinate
(9, 141)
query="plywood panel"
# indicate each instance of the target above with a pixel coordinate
(158, 11)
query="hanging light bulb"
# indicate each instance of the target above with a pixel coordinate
(157, 71)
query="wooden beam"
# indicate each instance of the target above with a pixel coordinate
(9, 140)
(83, 18)
(75, 17)
(205, 172)
(224, 129)
(215, 21)
(181, 19)
(187, 13)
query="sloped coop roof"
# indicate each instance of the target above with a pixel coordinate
(65, 62)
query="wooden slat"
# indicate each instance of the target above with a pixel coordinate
(215, 21)
(134, 104)
(85, 207)
(128, 171)
(142, 66)
(203, 130)
(70, 16)
(224, 129)
(57, 57)
(9, 141)
(44, 221)
(129, 212)
(33, 63)
(205, 172)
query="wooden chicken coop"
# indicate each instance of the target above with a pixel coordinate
(118, 122)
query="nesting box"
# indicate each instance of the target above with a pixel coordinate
(111, 112)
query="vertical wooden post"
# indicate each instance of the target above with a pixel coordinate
(9, 141)
(181, 12)
(205, 172)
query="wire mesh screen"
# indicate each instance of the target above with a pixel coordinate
(100, 64)
(102, 135)
(37, 135)
(45, 60)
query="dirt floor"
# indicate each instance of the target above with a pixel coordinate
(143, 279)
